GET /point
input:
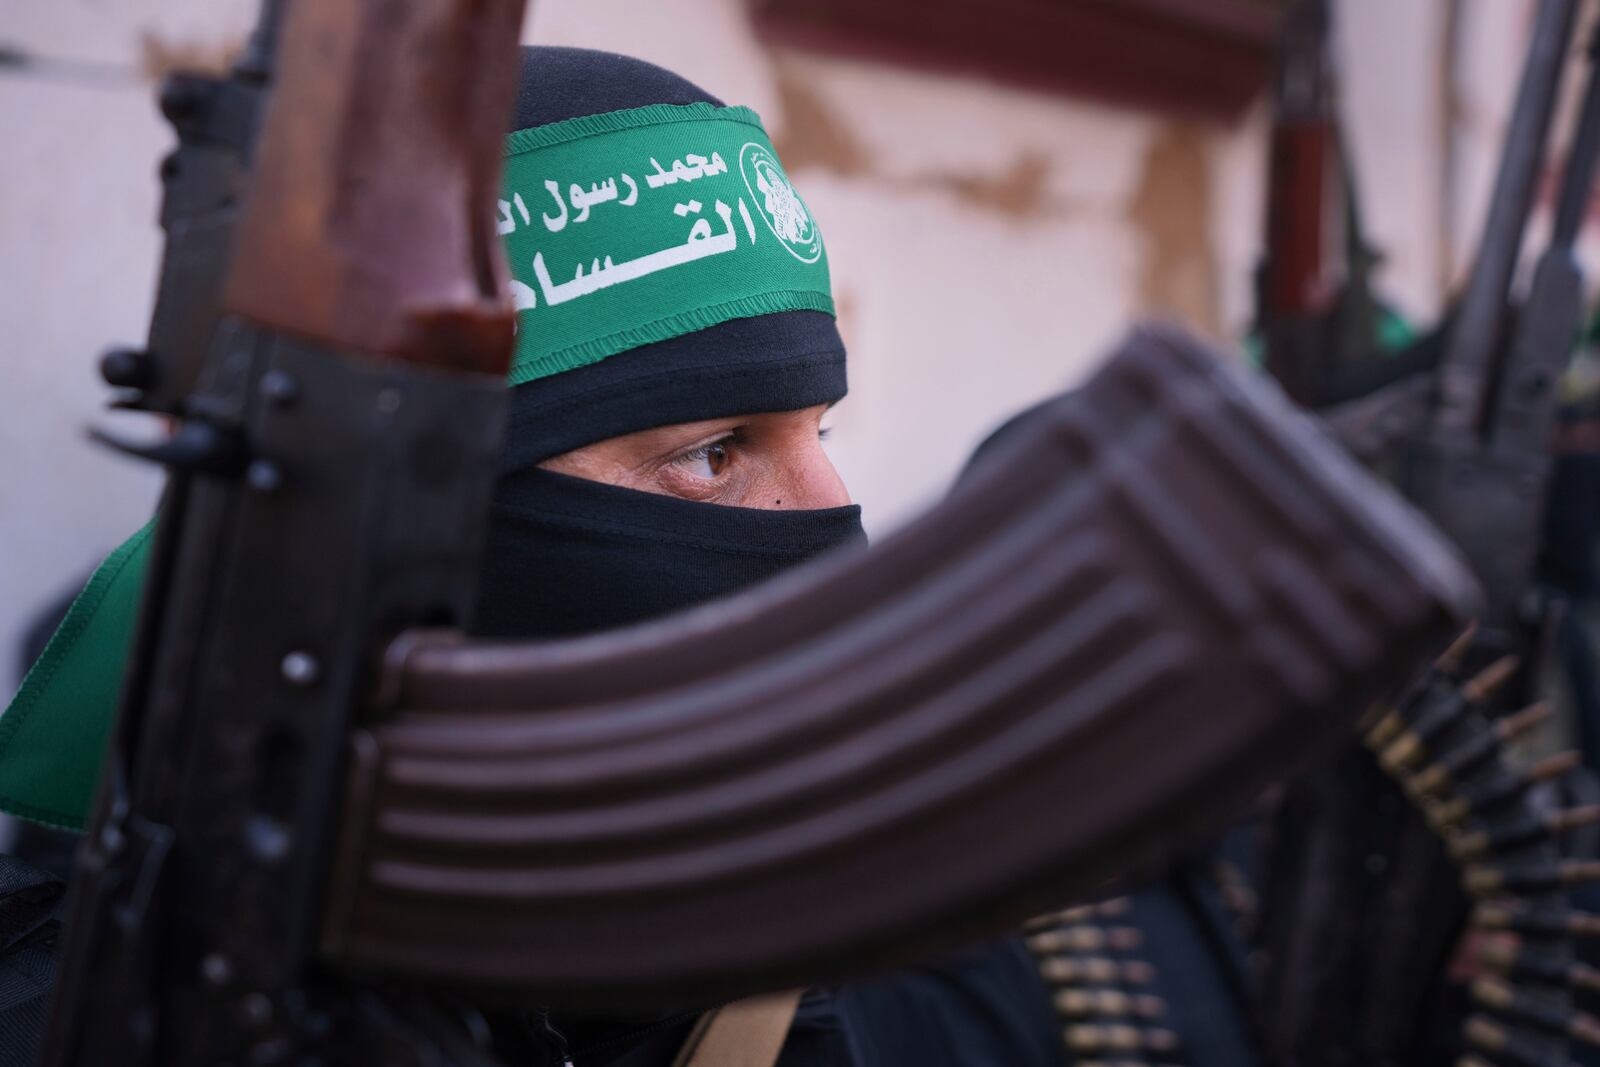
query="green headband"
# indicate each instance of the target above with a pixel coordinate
(631, 227)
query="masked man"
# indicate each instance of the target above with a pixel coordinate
(677, 353)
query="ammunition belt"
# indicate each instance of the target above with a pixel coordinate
(1100, 986)
(1456, 764)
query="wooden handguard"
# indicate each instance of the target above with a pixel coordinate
(370, 221)
(1140, 611)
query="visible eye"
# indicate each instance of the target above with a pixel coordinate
(707, 461)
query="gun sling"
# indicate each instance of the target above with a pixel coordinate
(746, 1033)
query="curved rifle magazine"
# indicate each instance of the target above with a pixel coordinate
(1131, 618)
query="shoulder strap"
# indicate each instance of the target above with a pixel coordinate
(746, 1033)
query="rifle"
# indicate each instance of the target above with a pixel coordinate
(215, 120)
(1487, 454)
(327, 487)
(1316, 315)
(1462, 422)
(319, 795)
(1466, 418)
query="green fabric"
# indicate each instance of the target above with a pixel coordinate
(635, 226)
(53, 734)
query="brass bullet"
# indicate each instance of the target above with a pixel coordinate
(1482, 881)
(1376, 712)
(1493, 993)
(1536, 921)
(1100, 1037)
(1501, 915)
(1451, 659)
(1402, 752)
(1538, 876)
(1507, 956)
(1518, 723)
(1486, 1034)
(1086, 939)
(1516, 1048)
(1411, 746)
(1069, 969)
(1460, 761)
(1093, 1002)
(1470, 846)
(1507, 999)
(1521, 829)
(1497, 788)
(1063, 917)
(1386, 729)
(1118, 1037)
(1052, 940)
(1436, 776)
(1095, 970)
(1108, 1002)
(1486, 682)
(1572, 818)
(1115, 908)
(1553, 767)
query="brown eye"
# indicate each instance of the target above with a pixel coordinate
(717, 457)
(707, 461)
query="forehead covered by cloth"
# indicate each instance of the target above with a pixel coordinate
(664, 268)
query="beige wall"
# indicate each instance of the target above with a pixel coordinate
(987, 243)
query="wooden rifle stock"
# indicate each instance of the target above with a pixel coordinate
(1299, 280)
(370, 224)
(1303, 170)
(1124, 625)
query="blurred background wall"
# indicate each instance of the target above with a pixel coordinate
(990, 236)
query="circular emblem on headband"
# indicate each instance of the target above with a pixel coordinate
(780, 206)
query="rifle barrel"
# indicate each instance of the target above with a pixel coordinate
(1465, 372)
(1578, 183)
(1523, 386)
(1296, 283)
(259, 50)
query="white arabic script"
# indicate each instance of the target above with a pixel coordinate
(604, 274)
(686, 169)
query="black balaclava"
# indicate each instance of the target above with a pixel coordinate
(567, 556)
